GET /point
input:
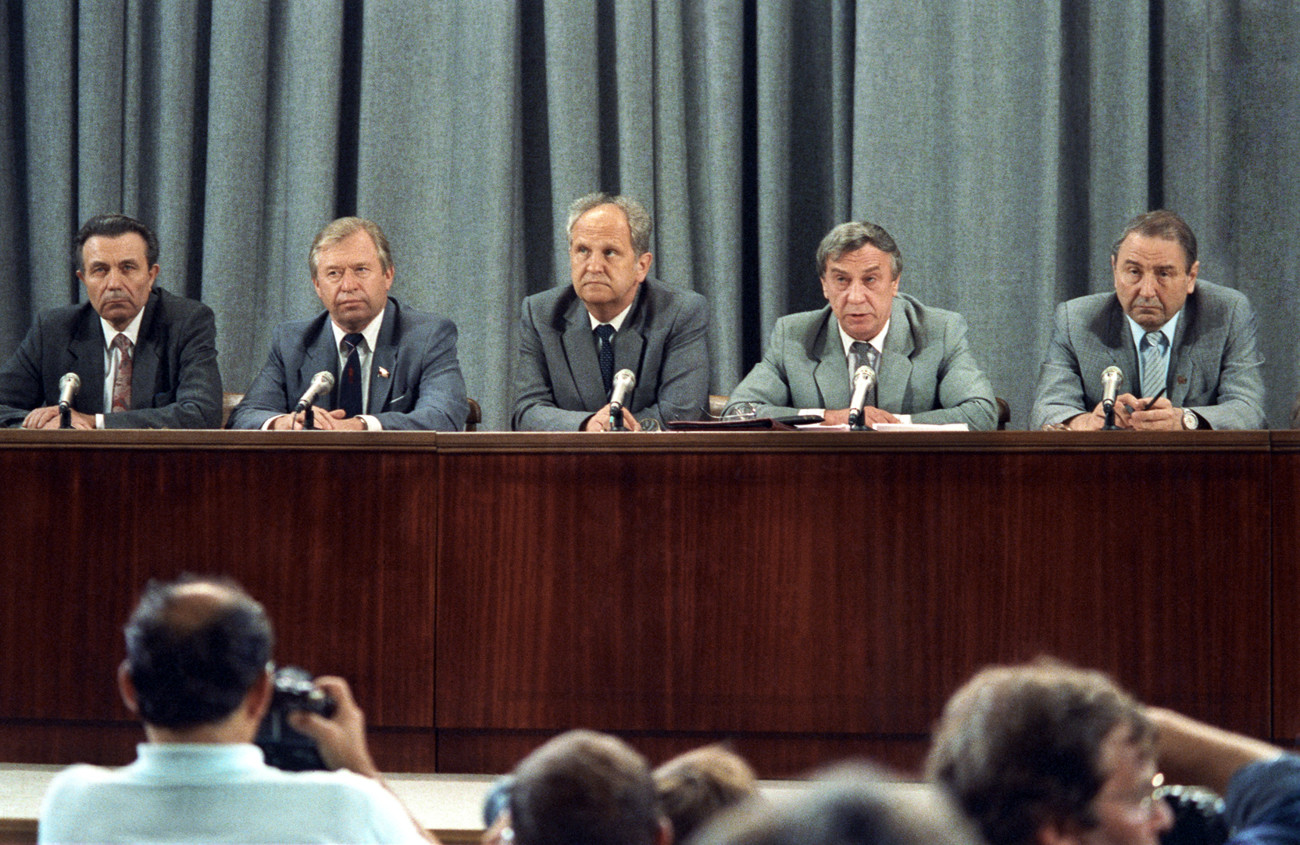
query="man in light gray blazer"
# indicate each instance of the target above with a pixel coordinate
(611, 311)
(1186, 348)
(925, 370)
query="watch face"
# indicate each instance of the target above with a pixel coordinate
(1190, 420)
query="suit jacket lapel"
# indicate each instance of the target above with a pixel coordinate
(144, 361)
(87, 361)
(832, 370)
(895, 372)
(385, 357)
(580, 353)
(1122, 352)
(320, 354)
(629, 344)
(1182, 364)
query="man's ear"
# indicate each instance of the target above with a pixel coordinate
(665, 831)
(126, 687)
(1058, 832)
(259, 697)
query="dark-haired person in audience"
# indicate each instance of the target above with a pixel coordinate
(394, 367)
(145, 358)
(1186, 348)
(1048, 754)
(696, 786)
(196, 673)
(574, 338)
(851, 806)
(925, 371)
(589, 788)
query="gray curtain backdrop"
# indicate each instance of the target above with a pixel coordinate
(1002, 143)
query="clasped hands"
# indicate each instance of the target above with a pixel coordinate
(1132, 413)
(335, 420)
(870, 416)
(48, 417)
(599, 421)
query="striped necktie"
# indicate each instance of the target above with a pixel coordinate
(1154, 364)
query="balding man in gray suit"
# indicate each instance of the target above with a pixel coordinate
(1186, 348)
(573, 339)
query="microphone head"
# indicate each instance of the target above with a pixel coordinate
(626, 377)
(1112, 373)
(864, 374)
(70, 380)
(324, 378)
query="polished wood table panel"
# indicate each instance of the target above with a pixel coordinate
(833, 589)
(806, 595)
(331, 537)
(1285, 646)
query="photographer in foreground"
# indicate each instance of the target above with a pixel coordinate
(196, 673)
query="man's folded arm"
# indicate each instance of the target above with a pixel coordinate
(965, 393)
(198, 384)
(441, 405)
(684, 377)
(1240, 403)
(1059, 395)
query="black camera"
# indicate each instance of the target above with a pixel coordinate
(284, 747)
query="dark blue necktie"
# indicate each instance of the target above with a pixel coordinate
(350, 383)
(606, 335)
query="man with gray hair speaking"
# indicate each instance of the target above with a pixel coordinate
(573, 339)
(925, 372)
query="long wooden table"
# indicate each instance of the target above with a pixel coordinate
(808, 596)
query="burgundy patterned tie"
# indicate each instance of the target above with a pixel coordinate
(122, 382)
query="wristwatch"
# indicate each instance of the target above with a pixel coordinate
(1190, 420)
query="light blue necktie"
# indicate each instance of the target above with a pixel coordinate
(1154, 365)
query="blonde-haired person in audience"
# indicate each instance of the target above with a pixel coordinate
(695, 786)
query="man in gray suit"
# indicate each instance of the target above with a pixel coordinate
(572, 339)
(396, 367)
(925, 370)
(1186, 348)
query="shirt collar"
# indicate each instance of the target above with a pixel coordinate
(370, 332)
(195, 761)
(617, 322)
(878, 341)
(1167, 330)
(132, 330)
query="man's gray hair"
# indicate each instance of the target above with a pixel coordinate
(852, 236)
(345, 227)
(1161, 224)
(639, 223)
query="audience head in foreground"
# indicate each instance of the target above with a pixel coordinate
(588, 788)
(197, 674)
(852, 806)
(696, 786)
(1047, 754)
